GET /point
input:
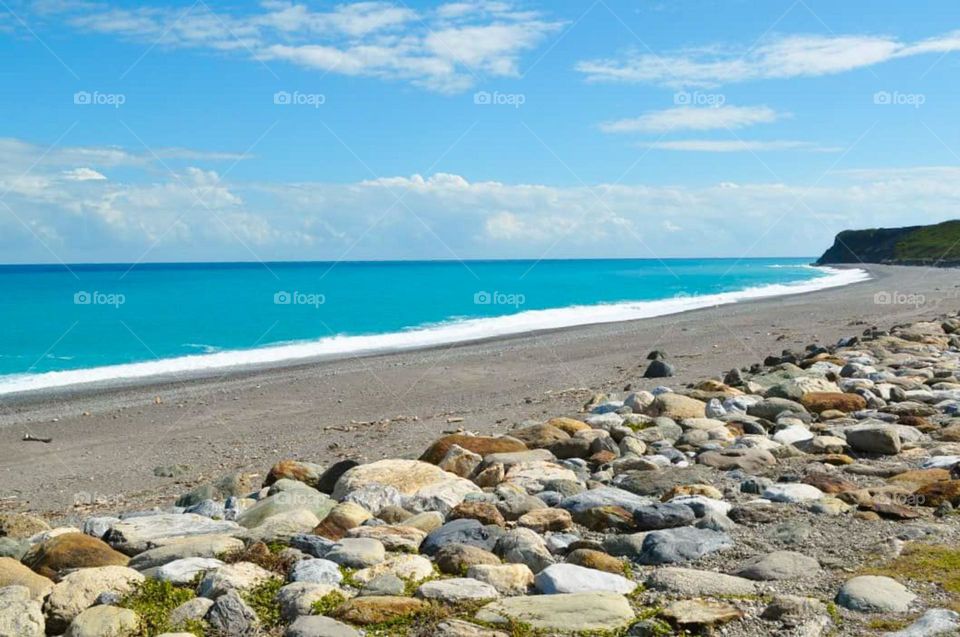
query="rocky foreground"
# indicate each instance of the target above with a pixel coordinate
(809, 495)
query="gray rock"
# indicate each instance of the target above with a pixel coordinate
(570, 578)
(780, 565)
(880, 439)
(875, 594)
(312, 544)
(457, 591)
(319, 626)
(385, 584)
(191, 610)
(138, 534)
(569, 613)
(689, 582)
(316, 571)
(792, 492)
(770, 408)
(659, 369)
(20, 614)
(523, 546)
(662, 516)
(605, 496)
(231, 616)
(681, 545)
(358, 552)
(936, 621)
(464, 531)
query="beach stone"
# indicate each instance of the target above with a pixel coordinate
(750, 461)
(606, 518)
(565, 613)
(396, 515)
(662, 516)
(456, 559)
(341, 519)
(302, 498)
(936, 493)
(571, 448)
(182, 572)
(532, 476)
(546, 520)
(523, 546)
(13, 573)
(792, 492)
(78, 591)
(482, 512)
(796, 388)
(232, 616)
(697, 614)
(191, 610)
(240, 576)
(328, 479)
(656, 483)
(385, 584)
(305, 472)
(461, 628)
(468, 532)
(10, 547)
(830, 483)
(875, 594)
(206, 546)
(393, 538)
(480, 445)
(457, 591)
(377, 610)
(105, 621)
(819, 402)
(412, 568)
(570, 426)
(230, 485)
(539, 436)
(879, 439)
(677, 407)
(20, 614)
(20, 526)
(936, 621)
(507, 579)
(681, 544)
(357, 552)
(282, 526)
(793, 434)
(515, 505)
(694, 583)
(319, 626)
(770, 408)
(597, 560)
(779, 565)
(460, 461)
(570, 578)
(508, 459)
(659, 369)
(316, 571)
(426, 486)
(428, 521)
(604, 496)
(137, 534)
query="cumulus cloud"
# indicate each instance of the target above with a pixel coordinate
(738, 146)
(83, 174)
(443, 49)
(197, 214)
(694, 118)
(782, 57)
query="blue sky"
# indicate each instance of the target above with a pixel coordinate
(480, 129)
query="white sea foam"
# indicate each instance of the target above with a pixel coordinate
(441, 334)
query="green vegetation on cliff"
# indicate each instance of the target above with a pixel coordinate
(916, 245)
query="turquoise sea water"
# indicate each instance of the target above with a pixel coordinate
(62, 325)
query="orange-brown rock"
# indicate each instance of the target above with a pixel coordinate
(568, 425)
(829, 483)
(936, 493)
(539, 436)
(603, 457)
(836, 459)
(70, 551)
(305, 472)
(705, 490)
(483, 512)
(603, 518)
(919, 422)
(598, 560)
(377, 610)
(920, 477)
(482, 445)
(818, 402)
(543, 520)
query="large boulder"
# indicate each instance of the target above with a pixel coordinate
(71, 551)
(105, 621)
(206, 546)
(566, 613)
(570, 578)
(137, 534)
(13, 573)
(20, 526)
(819, 402)
(677, 407)
(305, 472)
(300, 498)
(424, 486)
(78, 591)
(20, 614)
(875, 594)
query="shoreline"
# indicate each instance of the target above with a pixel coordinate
(33, 388)
(108, 442)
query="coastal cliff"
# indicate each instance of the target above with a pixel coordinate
(937, 244)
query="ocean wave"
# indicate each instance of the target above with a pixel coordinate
(446, 333)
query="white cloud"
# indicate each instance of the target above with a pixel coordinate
(694, 118)
(784, 57)
(196, 214)
(83, 174)
(737, 145)
(445, 49)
